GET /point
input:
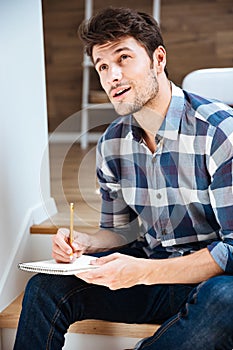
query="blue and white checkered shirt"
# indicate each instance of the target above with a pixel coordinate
(182, 195)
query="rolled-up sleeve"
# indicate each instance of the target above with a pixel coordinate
(221, 196)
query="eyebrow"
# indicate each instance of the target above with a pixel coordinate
(125, 48)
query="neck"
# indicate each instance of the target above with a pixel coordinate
(151, 116)
(150, 142)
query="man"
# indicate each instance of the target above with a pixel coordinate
(166, 163)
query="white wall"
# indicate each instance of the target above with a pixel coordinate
(23, 138)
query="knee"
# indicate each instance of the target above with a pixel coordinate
(36, 283)
(41, 286)
(217, 292)
(33, 288)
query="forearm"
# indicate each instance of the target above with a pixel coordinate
(104, 240)
(193, 268)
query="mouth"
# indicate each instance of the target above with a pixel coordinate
(120, 92)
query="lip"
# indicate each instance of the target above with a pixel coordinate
(116, 91)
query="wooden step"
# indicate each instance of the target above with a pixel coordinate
(10, 316)
(52, 229)
(43, 229)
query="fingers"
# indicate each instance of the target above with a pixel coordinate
(61, 249)
(115, 271)
(105, 259)
(99, 278)
(97, 275)
(77, 249)
(92, 277)
(105, 275)
(62, 239)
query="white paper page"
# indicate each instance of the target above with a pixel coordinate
(52, 267)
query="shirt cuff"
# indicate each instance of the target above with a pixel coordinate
(222, 253)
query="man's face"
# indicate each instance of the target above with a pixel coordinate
(126, 74)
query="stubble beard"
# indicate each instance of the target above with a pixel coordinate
(142, 98)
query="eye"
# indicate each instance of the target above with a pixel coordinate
(102, 67)
(124, 57)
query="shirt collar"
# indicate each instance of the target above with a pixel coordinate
(171, 123)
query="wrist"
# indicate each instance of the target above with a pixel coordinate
(88, 243)
(151, 272)
(145, 271)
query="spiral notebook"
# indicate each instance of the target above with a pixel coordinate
(52, 267)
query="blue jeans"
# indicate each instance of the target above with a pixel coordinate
(191, 317)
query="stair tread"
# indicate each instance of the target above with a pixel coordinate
(9, 319)
(46, 228)
(10, 315)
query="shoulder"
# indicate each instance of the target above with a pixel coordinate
(213, 112)
(211, 118)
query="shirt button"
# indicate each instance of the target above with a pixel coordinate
(164, 232)
(154, 159)
(158, 195)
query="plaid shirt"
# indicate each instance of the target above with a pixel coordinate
(182, 195)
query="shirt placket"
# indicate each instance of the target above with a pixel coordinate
(161, 210)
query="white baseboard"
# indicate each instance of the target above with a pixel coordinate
(97, 342)
(8, 338)
(13, 281)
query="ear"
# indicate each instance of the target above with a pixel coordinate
(160, 60)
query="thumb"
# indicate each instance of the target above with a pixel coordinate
(62, 231)
(106, 259)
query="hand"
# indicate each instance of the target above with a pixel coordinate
(115, 271)
(61, 249)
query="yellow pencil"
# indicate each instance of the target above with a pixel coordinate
(71, 238)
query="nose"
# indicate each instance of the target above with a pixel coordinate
(114, 74)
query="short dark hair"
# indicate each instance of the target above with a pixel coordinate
(112, 23)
